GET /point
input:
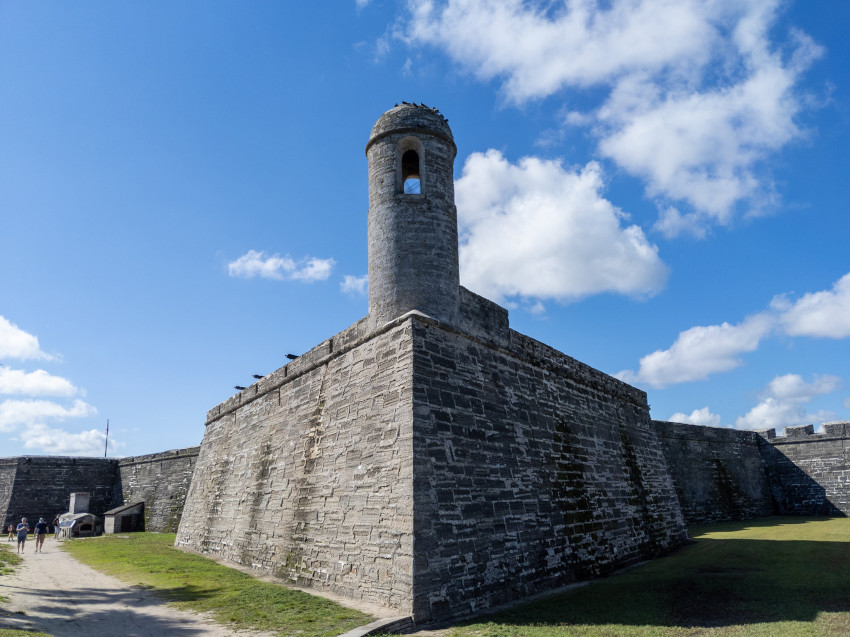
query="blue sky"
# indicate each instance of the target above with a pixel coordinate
(655, 187)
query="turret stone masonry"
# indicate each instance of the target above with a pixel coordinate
(429, 458)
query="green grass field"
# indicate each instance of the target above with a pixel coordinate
(196, 583)
(769, 577)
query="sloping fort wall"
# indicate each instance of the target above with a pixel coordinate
(431, 471)
(531, 470)
(307, 474)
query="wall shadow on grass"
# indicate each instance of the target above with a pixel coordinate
(710, 583)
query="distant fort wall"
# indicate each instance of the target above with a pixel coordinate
(719, 473)
(809, 473)
(41, 486)
(161, 481)
(727, 474)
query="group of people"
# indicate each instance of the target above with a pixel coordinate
(23, 529)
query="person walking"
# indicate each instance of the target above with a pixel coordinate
(11, 530)
(56, 527)
(23, 529)
(40, 535)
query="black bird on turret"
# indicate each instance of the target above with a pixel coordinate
(258, 377)
(291, 357)
(239, 387)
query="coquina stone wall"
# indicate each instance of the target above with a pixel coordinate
(809, 473)
(532, 470)
(718, 473)
(161, 481)
(308, 474)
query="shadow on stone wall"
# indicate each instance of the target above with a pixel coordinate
(794, 491)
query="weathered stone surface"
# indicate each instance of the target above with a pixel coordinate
(718, 473)
(311, 479)
(531, 470)
(161, 481)
(809, 473)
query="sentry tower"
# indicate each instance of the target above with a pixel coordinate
(413, 259)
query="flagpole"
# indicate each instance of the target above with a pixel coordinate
(106, 445)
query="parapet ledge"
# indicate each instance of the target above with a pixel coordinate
(160, 455)
(806, 433)
(704, 433)
(321, 353)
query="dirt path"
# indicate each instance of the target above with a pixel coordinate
(55, 594)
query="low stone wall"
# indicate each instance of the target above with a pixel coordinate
(809, 473)
(161, 481)
(718, 473)
(42, 485)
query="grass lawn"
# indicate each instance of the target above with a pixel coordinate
(192, 582)
(769, 577)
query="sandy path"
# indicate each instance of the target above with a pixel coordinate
(60, 596)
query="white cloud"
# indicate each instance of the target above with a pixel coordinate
(37, 383)
(820, 314)
(355, 285)
(16, 343)
(694, 95)
(701, 351)
(846, 403)
(26, 413)
(255, 264)
(62, 442)
(535, 229)
(792, 387)
(702, 417)
(783, 403)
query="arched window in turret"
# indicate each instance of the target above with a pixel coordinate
(410, 173)
(409, 166)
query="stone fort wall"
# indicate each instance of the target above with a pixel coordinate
(532, 470)
(308, 473)
(161, 481)
(41, 486)
(726, 474)
(430, 471)
(719, 473)
(809, 473)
